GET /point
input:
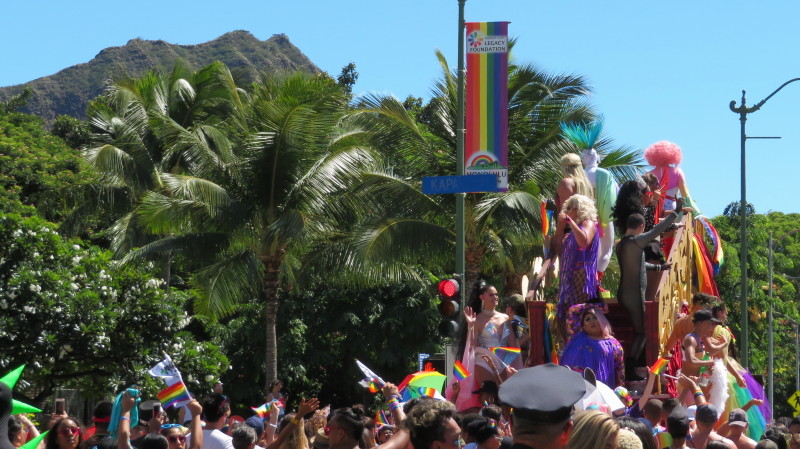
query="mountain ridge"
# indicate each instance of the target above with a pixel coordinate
(69, 90)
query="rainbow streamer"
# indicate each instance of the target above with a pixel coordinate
(486, 140)
(545, 218)
(380, 418)
(659, 366)
(460, 371)
(713, 235)
(173, 394)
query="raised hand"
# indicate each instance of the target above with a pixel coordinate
(308, 406)
(470, 316)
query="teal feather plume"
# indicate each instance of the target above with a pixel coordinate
(583, 135)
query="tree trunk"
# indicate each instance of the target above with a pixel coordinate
(512, 284)
(271, 284)
(473, 266)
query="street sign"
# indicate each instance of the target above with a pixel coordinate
(794, 401)
(437, 185)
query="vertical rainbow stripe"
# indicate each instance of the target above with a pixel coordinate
(486, 140)
(460, 371)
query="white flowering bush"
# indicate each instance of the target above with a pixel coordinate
(80, 321)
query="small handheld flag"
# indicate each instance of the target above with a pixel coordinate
(505, 354)
(370, 384)
(173, 394)
(380, 418)
(659, 366)
(427, 391)
(262, 410)
(459, 371)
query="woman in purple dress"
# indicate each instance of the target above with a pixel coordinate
(593, 345)
(578, 269)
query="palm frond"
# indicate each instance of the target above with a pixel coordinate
(229, 282)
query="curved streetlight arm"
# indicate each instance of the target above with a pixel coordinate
(744, 109)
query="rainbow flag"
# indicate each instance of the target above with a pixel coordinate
(174, 394)
(659, 366)
(427, 391)
(507, 355)
(370, 384)
(381, 419)
(263, 410)
(486, 140)
(459, 371)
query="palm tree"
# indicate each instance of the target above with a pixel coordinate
(146, 128)
(251, 222)
(408, 230)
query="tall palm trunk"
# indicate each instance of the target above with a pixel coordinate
(271, 284)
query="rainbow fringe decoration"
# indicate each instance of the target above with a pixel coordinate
(262, 410)
(459, 371)
(174, 394)
(659, 366)
(486, 140)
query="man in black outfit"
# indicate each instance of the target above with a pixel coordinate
(633, 279)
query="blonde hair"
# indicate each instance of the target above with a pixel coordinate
(583, 204)
(297, 439)
(572, 168)
(592, 430)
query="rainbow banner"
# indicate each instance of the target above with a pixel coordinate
(486, 140)
(174, 394)
(460, 371)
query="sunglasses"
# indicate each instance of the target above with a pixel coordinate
(169, 426)
(69, 431)
(176, 439)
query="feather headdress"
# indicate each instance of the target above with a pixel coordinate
(584, 135)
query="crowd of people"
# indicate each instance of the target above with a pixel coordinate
(535, 408)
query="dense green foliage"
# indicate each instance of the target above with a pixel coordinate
(37, 169)
(80, 321)
(69, 91)
(785, 294)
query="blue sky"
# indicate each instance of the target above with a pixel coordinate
(659, 70)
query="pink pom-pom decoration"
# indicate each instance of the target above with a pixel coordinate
(663, 153)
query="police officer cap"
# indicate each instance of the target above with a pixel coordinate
(544, 394)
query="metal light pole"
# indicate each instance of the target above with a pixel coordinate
(460, 250)
(743, 110)
(771, 354)
(771, 350)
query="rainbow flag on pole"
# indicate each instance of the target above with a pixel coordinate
(486, 140)
(506, 354)
(381, 419)
(459, 371)
(174, 394)
(659, 366)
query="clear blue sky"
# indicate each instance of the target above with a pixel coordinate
(659, 70)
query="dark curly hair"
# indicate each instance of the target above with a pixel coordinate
(629, 201)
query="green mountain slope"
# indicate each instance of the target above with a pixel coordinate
(69, 91)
